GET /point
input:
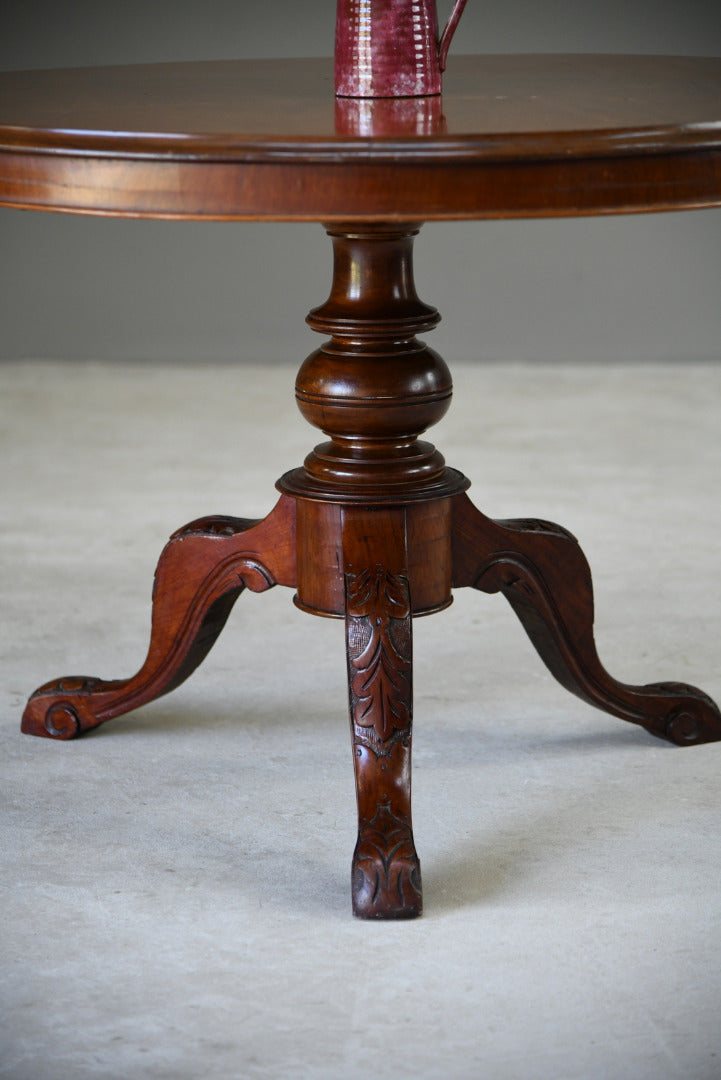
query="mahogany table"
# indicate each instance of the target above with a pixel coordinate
(373, 528)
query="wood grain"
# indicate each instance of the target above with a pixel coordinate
(512, 136)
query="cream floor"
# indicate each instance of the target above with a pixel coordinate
(175, 886)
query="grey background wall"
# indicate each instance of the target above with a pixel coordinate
(630, 289)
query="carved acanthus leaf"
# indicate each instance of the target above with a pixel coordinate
(379, 653)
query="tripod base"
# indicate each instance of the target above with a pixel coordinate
(384, 565)
(374, 529)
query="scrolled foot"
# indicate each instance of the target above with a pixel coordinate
(692, 718)
(386, 878)
(64, 708)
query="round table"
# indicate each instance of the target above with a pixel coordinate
(373, 528)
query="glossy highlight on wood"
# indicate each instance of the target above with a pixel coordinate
(373, 528)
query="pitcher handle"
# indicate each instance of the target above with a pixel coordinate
(445, 42)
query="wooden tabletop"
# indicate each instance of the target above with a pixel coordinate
(511, 136)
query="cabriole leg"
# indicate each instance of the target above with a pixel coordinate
(386, 875)
(544, 575)
(202, 571)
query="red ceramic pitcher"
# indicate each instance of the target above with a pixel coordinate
(391, 48)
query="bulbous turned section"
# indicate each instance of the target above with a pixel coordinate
(373, 387)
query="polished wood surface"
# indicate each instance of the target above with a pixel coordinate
(374, 528)
(511, 136)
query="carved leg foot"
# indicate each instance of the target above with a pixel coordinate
(386, 876)
(202, 571)
(543, 573)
